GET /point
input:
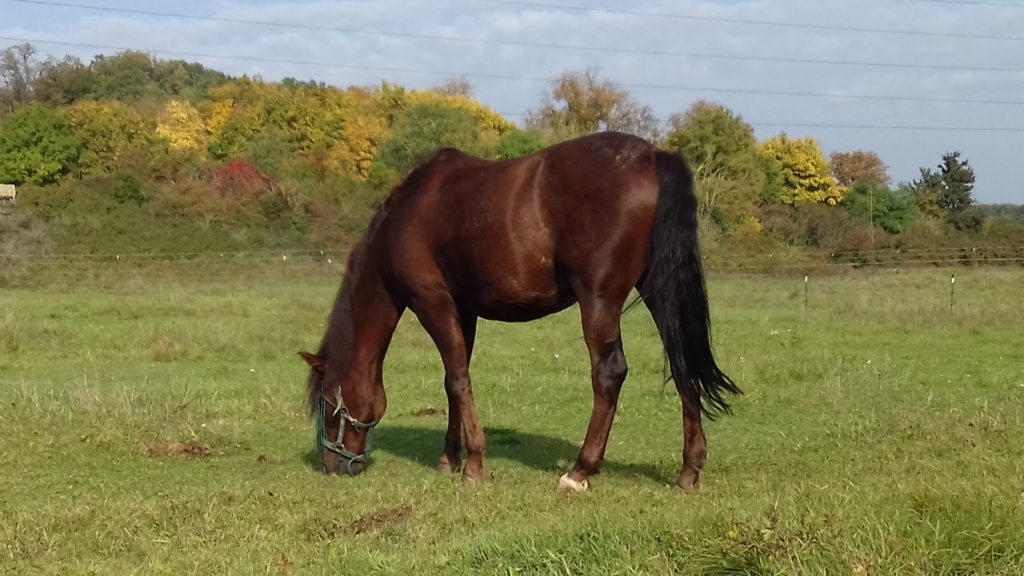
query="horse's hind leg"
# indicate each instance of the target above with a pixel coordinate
(695, 444)
(440, 317)
(451, 459)
(607, 373)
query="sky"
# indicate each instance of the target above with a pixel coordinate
(907, 79)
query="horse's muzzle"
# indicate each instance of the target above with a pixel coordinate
(343, 464)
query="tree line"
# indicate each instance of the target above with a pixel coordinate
(129, 149)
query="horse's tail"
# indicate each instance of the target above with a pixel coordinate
(673, 288)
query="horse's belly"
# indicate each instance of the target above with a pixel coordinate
(524, 310)
(511, 295)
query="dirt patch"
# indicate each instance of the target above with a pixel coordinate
(282, 563)
(164, 349)
(378, 520)
(178, 449)
(429, 411)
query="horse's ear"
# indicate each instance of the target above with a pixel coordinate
(313, 360)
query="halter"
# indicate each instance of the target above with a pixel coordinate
(348, 457)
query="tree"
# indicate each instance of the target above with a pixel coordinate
(946, 193)
(62, 82)
(517, 143)
(580, 104)
(107, 130)
(421, 130)
(722, 151)
(181, 126)
(454, 87)
(187, 80)
(806, 175)
(18, 71)
(125, 76)
(860, 165)
(894, 211)
(36, 146)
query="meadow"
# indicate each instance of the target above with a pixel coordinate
(153, 422)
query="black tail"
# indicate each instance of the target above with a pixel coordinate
(673, 289)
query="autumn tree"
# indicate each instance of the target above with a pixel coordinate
(806, 176)
(36, 146)
(723, 154)
(234, 114)
(107, 131)
(860, 165)
(580, 103)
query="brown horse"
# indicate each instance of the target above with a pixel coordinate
(464, 238)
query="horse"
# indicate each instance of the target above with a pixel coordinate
(461, 238)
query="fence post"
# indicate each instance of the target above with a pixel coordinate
(952, 287)
(806, 280)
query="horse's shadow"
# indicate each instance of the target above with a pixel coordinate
(544, 453)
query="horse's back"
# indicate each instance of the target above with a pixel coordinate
(506, 237)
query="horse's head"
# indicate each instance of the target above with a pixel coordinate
(342, 439)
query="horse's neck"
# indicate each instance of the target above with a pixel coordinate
(363, 319)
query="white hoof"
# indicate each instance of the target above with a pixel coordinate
(570, 485)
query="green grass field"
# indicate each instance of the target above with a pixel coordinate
(880, 433)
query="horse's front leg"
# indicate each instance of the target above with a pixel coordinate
(451, 458)
(440, 317)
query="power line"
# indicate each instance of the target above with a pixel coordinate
(726, 20)
(889, 127)
(855, 126)
(975, 3)
(524, 44)
(448, 73)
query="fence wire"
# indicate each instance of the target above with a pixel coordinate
(29, 269)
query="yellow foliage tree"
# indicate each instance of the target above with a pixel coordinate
(182, 127)
(806, 176)
(107, 130)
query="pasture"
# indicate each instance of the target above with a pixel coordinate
(154, 423)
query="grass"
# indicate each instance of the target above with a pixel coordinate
(880, 433)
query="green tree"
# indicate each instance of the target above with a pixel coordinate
(946, 193)
(722, 151)
(422, 129)
(125, 76)
(806, 174)
(187, 80)
(580, 103)
(36, 146)
(517, 143)
(62, 81)
(893, 211)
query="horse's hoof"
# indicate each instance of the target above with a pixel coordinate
(567, 484)
(446, 467)
(473, 474)
(688, 483)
